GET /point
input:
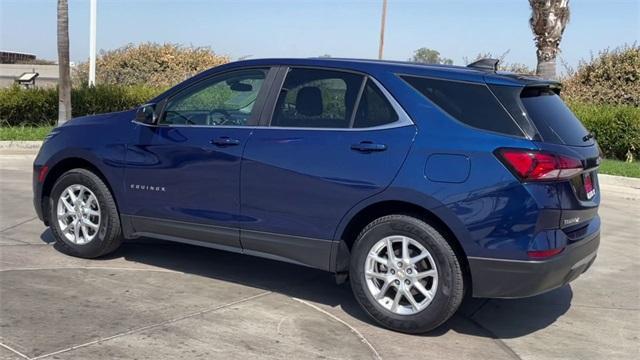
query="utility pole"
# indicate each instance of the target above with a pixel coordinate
(92, 43)
(382, 21)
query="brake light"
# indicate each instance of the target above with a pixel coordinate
(543, 254)
(533, 165)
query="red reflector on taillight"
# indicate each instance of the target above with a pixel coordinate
(532, 165)
(43, 173)
(543, 254)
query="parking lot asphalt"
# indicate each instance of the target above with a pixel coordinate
(160, 300)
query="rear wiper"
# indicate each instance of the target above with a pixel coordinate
(588, 136)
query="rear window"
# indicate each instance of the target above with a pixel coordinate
(470, 103)
(553, 119)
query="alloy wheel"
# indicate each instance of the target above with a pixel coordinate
(78, 213)
(401, 275)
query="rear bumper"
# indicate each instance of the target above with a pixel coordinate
(501, 278)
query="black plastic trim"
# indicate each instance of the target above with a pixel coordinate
(315, 253)
(179, 230)
(311, 252)
(503, 278)
(485, 64)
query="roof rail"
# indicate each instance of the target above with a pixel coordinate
(485, 64)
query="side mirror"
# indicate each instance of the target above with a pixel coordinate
(146, 114)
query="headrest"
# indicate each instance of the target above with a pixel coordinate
(309, 101)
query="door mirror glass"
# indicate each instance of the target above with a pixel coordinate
(146, 114)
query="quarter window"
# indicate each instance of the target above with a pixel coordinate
(225, 100)
(472, 104)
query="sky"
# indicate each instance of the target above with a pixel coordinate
(306, 28)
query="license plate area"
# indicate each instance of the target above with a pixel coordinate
(589, 188)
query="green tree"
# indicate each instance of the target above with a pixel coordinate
(610, 77)
(429, 56)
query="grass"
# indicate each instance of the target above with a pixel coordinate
(620, 168)
(24, 132)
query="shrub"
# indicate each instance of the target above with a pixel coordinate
(612, 77)
(19, 106)
(616, 127)
(108, 98)
(39, 106)
(149, 64)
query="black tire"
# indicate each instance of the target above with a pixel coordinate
(450, 289)
(109, 236)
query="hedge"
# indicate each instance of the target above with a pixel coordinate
(39, 106)
(616, 127)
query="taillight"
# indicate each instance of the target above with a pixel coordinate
(533, 165)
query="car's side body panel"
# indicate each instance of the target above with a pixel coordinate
(307, 195)
(99, 140)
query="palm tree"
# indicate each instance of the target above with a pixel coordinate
(64, 81)
(548, 21)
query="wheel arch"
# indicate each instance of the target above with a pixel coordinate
(365, 215)
(62, 167)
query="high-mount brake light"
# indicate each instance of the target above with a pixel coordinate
(533, 165)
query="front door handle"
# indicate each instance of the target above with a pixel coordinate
(368, 146)
(225, 141)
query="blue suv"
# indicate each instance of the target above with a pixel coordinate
(418, 183)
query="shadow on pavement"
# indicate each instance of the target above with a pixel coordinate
(497, 319)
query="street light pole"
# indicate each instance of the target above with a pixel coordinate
(92, 43)
(382, 23)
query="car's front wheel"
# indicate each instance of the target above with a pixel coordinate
(83, 215)
(405, 274)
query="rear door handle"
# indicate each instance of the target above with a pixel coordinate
(225, 141)
(368, 146)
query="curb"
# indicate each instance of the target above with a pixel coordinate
(633, 183)
(20, 145)
(33, 146)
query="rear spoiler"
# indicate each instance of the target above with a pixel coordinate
(554, 86)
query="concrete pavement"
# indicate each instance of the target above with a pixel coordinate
(160, 300)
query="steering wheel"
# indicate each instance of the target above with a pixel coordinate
(186, 119)
(225, 114)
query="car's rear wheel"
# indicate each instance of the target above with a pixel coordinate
(405, 274)
(83, 215)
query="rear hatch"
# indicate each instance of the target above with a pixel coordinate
(542, 115)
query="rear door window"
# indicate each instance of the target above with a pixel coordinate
(316, 98)
(471, 103)
(553, 119)
(374, 108)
